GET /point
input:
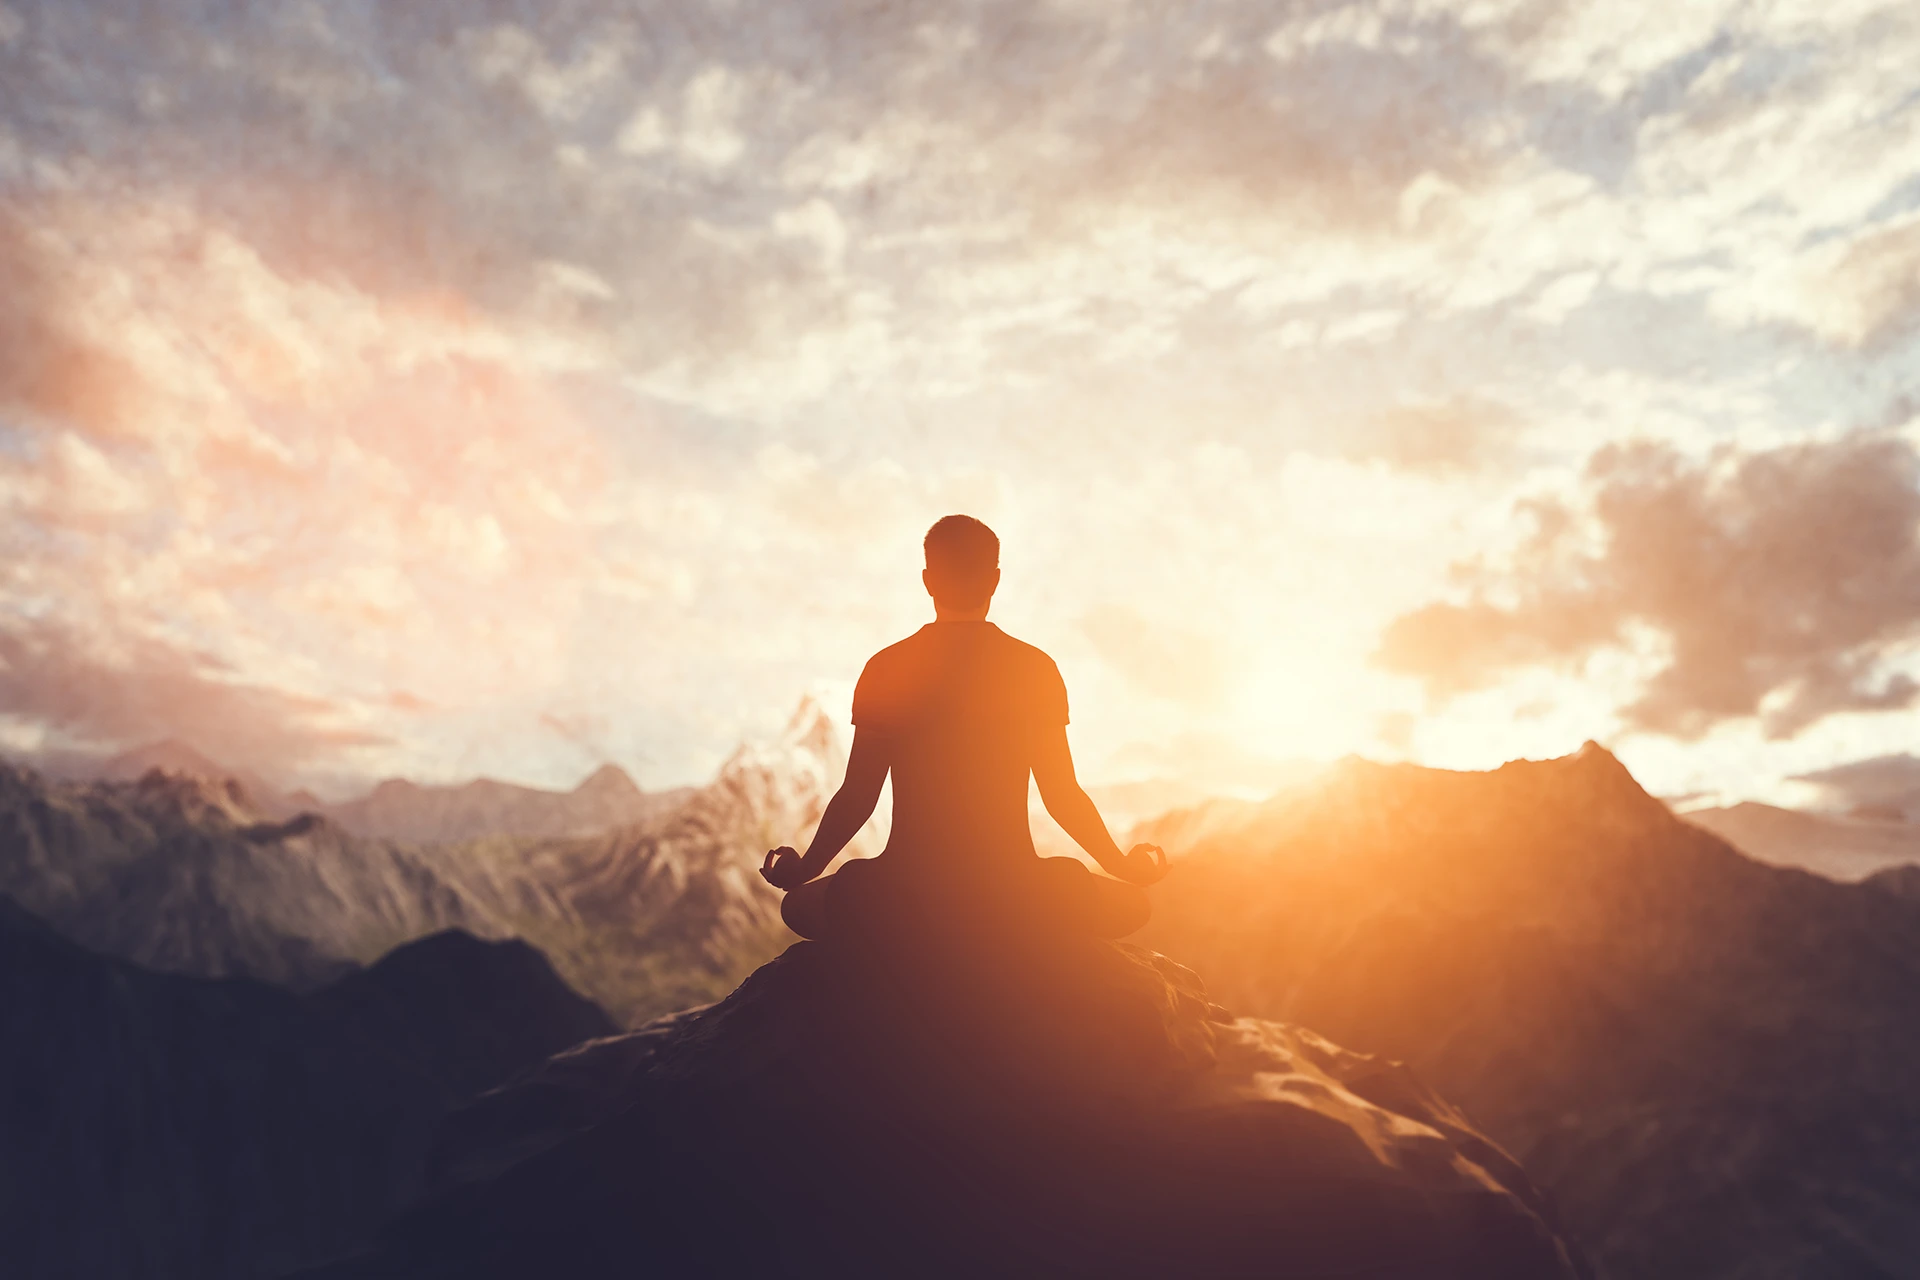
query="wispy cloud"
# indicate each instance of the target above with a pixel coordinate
(84, 691)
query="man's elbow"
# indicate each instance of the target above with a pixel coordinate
(860, 796)
(1064, 800)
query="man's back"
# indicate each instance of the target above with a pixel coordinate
(962, 708)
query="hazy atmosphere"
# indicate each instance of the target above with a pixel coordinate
(484, 388)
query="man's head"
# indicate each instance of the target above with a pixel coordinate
(963, 565)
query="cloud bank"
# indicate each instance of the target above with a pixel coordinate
(443, 388)
(1781, 584)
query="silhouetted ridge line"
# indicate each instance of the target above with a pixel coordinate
(1706, 1059)
(175, 1128)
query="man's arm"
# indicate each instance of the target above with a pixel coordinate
(847, 812)
(1079, 817)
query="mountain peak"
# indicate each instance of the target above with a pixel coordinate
(1599, 768)
(169, 755)
(196, 798)
(1596, 758)
(811, 728)
(608, 780)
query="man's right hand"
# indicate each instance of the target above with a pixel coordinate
(1143, 865)
(785, 868)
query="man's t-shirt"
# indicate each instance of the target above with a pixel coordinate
(962, 707)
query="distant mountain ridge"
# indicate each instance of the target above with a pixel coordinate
(190, 875)
(1840, 847)
(401, 810)
(423, 813)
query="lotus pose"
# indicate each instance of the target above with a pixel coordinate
(962, 713)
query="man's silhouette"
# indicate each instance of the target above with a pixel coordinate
(962, 713)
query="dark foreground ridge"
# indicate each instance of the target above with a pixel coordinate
(222, 1129)
(1069, 1111)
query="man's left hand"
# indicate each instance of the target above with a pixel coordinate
(1144, 864)
(785, 868)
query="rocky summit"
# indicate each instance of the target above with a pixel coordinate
(1015, 1110)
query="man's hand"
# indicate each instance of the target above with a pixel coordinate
(1142, 865)
(785, 869)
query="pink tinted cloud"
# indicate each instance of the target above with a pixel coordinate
(101, 691)
(290, 485)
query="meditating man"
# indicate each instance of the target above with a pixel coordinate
(962, 714)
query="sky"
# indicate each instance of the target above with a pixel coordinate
(446, 389)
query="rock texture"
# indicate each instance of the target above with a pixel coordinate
(401, 810)
(1707, 1060)
(185, 875)
(1033, 1112)
(161, 1126)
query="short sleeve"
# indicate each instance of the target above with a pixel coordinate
(869, 696)
(1052, 694)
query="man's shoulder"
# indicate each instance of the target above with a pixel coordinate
(898, 664)
(1031, 656)
(901, 650)
(927, 644)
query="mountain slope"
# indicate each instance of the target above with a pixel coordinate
(182, 874)
(1707, 1060)
(1840, 848)
(418, 813)
(463, 1012)
(402, 810)
(1007, 1110)
(185, 875)
(160, 1126)
(675, 914)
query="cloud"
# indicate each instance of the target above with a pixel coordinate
(1857, 289)
(308, 485)
(1461, 433)
(1780, 584)
(1159, 658)
(587, 731)
(86, 691)
(1212, 763)
(614, 357)
(48, 370)
(1885, 784)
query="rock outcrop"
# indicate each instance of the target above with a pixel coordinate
(1036, 1111)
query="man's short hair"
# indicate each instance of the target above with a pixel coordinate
(962, 555)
